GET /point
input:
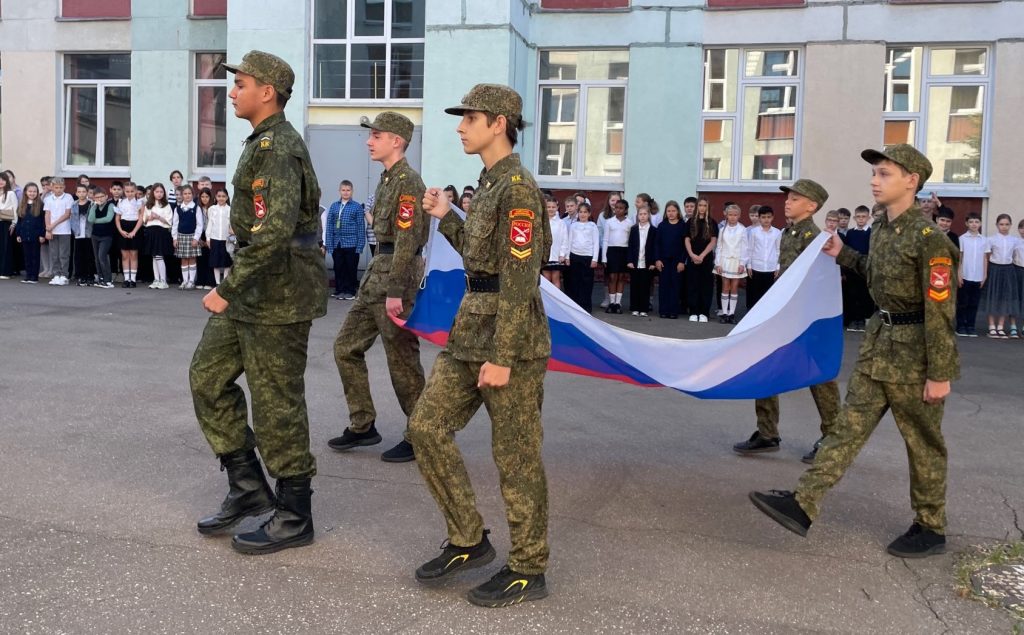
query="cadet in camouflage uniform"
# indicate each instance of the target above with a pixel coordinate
(497, 356)
(388, 289)
(905, 364)
(262, 316)
(826, 395)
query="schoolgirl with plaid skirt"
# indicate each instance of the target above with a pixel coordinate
(185, 232)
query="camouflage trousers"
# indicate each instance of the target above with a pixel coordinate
(273, 358)
(366, 321)
(920, 423)
(448, 402)
(826, 398)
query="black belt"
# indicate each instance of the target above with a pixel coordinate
(490, 284)
(898, 319)
(308, 241)
(389, 248)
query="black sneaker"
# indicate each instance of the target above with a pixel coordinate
(961, 331)
(813, 452)
(454, 559)
(971, 332)
(918, 542)
(349, 439)
(783, 509)
(507, 588)
(757, 444)
(401, 453)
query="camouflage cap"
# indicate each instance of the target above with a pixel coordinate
(267, 68)
(495, 99)
(392, 122)
(905, 155)
(808, 189)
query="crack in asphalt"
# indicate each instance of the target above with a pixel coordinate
(918, 595)
(1016, 516)
(977, 405)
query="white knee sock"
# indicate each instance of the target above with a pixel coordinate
(192, 274)
(218, 274)
(725, 304)
(159, 269)
(733, 301)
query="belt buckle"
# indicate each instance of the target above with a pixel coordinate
(886, 317)
(467, 281)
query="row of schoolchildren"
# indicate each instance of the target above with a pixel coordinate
(684, 248)
(993, 267)
(89, 235)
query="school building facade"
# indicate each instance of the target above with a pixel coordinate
(731, 98)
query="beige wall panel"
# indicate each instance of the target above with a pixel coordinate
(842, 116)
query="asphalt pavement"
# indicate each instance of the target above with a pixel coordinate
(104, 473)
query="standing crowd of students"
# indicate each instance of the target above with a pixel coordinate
(82, 233)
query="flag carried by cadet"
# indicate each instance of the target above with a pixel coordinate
(792, 338)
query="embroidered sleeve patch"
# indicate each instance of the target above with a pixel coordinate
(266, 143)
(521, 213)
(406, 212)
(939, 278)
(517, 178)
(521, 235)
(259, 206)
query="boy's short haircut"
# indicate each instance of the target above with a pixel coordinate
(570, 199)
(46, 180)
(345, 183)
(973, 216)
(843, 212)
(765, 210)
(469, 188)
(732, 206)
(689, 199)
(754, 209)
(56, 180)
(82, 186)
(862, 208)
(550, 199)
(130, 184)
(832, 215)
(945, 212)
(116, 184)
(205, 178)
(98, 189)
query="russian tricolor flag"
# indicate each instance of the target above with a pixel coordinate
(792, 338)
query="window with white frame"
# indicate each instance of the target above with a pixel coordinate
(210, 109)
(97, 110)
(367, 50)
(1, 109)
(582, 114)
(750, 121)
(936, 99)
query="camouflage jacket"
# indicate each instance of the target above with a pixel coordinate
(398, 218)
(910, 266)
(506, 235)
(278, 275)
(794, 240)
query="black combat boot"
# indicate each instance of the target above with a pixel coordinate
(249, 493)
(290, 526)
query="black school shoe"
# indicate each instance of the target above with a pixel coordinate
(507, 588)
(782, 508)
(757, 444)
(918, 542)
(349, 439)
(454, 559)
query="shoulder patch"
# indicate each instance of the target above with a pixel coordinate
(517, 178)
(406, 212)
(520, 236)
(406, 198)
(259, 184)
(940, 261)
(808, 234)
(259, 206)
(939, 278)
(521, 213)
(926, 231)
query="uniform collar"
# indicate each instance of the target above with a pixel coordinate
(509, 163)
(904, 220)
(802, 224)
(266, 124)
(396, 167)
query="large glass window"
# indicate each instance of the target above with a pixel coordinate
(1, 110)
(97, 110)
(751, 115)
(367, 50)
(210, 104)
(582, 113)
(936, 98)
